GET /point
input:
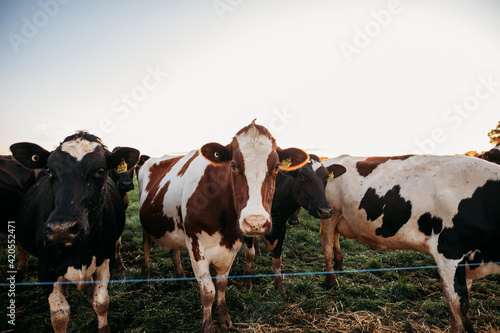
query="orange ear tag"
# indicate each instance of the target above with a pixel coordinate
(122, 167)
(330, 176)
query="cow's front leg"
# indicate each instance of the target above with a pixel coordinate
(100, 300)
(326, 238)
(222, 313)
(249, 257)
(119, 266)
(59, 307)
(22, 264)
(201, 270)
(278, 249)
(338, 257)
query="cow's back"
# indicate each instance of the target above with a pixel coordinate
(165, 186)
(393, 197)
(15, 180)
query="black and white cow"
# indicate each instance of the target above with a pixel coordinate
(304, 187)
(123, 177)
(72, 218)
(492, 155)
(446, 206)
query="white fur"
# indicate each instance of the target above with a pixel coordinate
(434, 184)
(255, 149)
(80, 275)
(315, 165)
(179, 191)
(79, 148)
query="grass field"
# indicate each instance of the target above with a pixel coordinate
(389, 301)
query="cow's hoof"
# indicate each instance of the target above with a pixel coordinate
(332, 282)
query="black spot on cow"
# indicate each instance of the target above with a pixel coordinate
(396, 210)
(460, 285)
(368, 165)
(476, 226)
(428, 223)
(372, 204)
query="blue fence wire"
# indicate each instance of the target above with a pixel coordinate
(372, 270)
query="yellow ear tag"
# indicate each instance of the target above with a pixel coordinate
(330, 176)
(286, 163)
(122, 167)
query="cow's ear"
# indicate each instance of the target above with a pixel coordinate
(30, 155)
(336, 170)
(122, 155)
(216, 153)
(143, 159)
(292, 158)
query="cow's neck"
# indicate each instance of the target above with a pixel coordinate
(284, 205)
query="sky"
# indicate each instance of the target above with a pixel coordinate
(368, 78)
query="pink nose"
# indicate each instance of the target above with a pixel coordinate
(255, 225)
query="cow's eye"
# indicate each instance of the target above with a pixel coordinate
(233, 166)
(101, 172)
(49, 172)
(276, 168)
(301, 177)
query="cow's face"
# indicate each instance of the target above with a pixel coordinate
(122, 178)
(493, 155)
(309, 188)
(77, 174)
(254, 160)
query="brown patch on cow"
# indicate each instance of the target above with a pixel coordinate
(179, 213)
(269, 184)
(158, 171)
(153, 219)
(195, 248)
(186, 165)
(367, 166)
(211, 207)
(240, 189)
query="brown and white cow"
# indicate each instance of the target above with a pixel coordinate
(446, 206)
(207, 200)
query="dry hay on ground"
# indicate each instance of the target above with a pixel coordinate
(338, 322)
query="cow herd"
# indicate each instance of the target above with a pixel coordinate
(69, 207)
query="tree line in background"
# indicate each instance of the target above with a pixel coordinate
(494, 135)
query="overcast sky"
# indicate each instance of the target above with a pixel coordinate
(331, 77)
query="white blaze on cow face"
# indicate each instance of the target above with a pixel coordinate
(255, 149)
(315, 164)
(79, 148)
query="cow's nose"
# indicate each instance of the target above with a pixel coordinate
(256, 225)
(127, 186)
(62, 232)
(325, 212)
